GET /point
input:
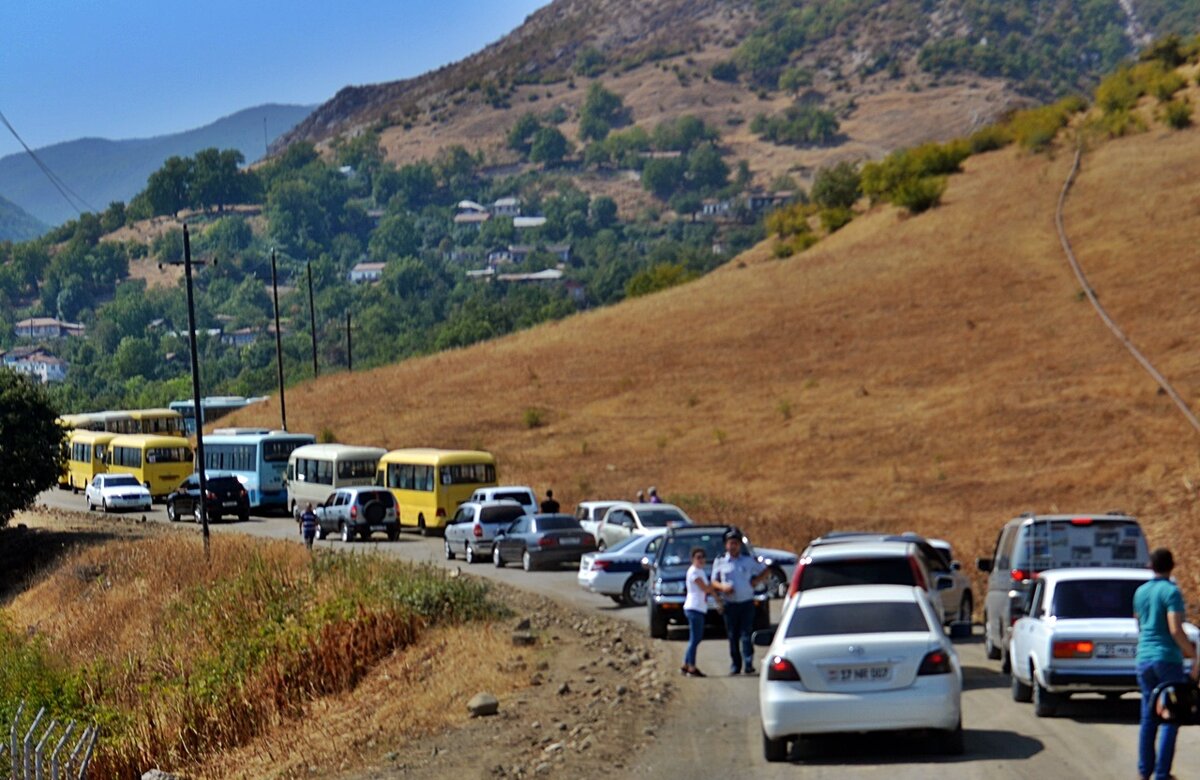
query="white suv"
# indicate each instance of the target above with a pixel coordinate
(522, 494)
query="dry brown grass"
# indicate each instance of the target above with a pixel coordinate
(941, 372)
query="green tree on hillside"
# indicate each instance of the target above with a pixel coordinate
(167, 189)
(837, 186)
(520, 136)
(602, 110)
(216, 180)
(549, 147)
(31, 443)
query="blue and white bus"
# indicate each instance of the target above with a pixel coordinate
(257, 457)
(212, 408)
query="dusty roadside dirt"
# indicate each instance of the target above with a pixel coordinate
(581, 702)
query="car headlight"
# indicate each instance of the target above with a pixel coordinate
(670, 587)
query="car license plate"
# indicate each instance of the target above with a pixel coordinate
(569, 540)
(229, 503)
(856, 674)
(377, 528)
(1116, 650)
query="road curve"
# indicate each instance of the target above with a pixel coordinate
(714, 731)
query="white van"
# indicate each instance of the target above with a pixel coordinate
(522, 494)
(314, 471)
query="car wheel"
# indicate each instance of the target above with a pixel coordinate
(393, 534)
(347, 533)
(91, 507)
(1020, 691)
(636, 589)
(658, 623)
(172, 513)
(989, 647)
(244, 517)
(951, 742)
(449, 550)
(527, 561)
(777, 583)
(1045, 703)
(421, 529)
(320, 532)
(1005, 661)
(196, 514)
(775, 750)
(104, 506)
(496, 558)
(469, 554)
(966, 608)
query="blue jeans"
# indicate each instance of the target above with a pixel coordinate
(695, 619)
(1150, 675)
(739, 622)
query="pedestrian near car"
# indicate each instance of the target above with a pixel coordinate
(640, 497)
(308, 526)
(654, 499)
(736, 575)
(695, 608)
(550, 506)
(1162, 646)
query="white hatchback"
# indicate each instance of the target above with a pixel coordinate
(117, 491)
(859, 658)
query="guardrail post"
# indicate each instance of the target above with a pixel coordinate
(57, 748)
(29, 742)
(37, 770)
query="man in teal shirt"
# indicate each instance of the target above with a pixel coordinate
(1162, 646)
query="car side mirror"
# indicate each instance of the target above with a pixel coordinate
(763, 638)
(983, 564)
(944, 582)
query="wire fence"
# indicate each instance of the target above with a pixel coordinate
(42, 751)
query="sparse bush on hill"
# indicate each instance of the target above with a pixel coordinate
(798, 125)
(520, 136)
(919, 194)
(989, 138)
(590, 62)
(838, 186)
(726, 70)
(659, 277)
(836, 218)
(910, 177)
(1177, 113)
(1036, 128)
(602, 111)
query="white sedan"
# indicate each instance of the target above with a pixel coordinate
(1078, 636)
(117, 491)
(859, 658)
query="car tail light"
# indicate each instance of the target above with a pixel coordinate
(918, 575)
(354, 510)
(794, 588)
(548, 541)
(477, 531)
(782, 670)
(210, 496)
(1074, 649)
(1081, 521)
(601, 565)
(1022, 575)
(589, 540)
(935, 662)
(242, 492)
(441, 512)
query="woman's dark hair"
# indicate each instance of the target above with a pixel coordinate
(1161, 561)
(695, 550)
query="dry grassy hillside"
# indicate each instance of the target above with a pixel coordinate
(937, 373)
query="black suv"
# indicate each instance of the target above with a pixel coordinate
(226, 497)
(668, 572)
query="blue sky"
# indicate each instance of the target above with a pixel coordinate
(137, 68)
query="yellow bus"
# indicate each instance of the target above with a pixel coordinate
(429, 484)
(93, 421)
(87, 453)
(163, 422)
(159, 462)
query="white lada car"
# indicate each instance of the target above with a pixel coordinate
(1078, 635)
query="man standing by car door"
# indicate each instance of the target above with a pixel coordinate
(736, 575)
(1162, 646)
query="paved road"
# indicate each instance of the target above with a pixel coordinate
(716, 733)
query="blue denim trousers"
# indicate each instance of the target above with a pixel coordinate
(695, 619)
(739, 622)
(1150, 675)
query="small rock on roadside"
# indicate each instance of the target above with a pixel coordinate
(158, 774)
(523, 638)
(483, 704)
(564, 689)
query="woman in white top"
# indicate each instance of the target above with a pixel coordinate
(694, 608)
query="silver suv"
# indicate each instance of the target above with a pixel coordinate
(358, 512)
(475, 525)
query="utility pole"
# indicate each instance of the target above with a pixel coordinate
(349, 353)
(312, 319)
(200, 465)
(278, 345)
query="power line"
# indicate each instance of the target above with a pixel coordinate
(58, 183)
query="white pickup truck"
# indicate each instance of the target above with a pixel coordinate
(1078, 635)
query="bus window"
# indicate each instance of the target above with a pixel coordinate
(324, 472)
(356, 469)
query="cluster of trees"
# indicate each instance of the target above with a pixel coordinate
(212, 179)
(800, 124)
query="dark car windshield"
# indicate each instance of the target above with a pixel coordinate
(223, 484)
(659, 518)
(122, 481)
(558, 524)
(889, 617)
(678, 550)
(500, 514)
(1095, 598)
(382, 496)
(857, 571)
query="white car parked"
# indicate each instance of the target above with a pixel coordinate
(618, 572)
(591, 513)
(117, 491)
(522, 494)
(958, 601)
(627, 519)
(1078, 636)
(859, 658)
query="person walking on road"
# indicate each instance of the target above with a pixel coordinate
(695, 608)
(654, 499)
(308, 526)
(549, 505)
(736, 575)
(1162, 646)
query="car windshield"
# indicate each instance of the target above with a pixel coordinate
(857, 571)
(125, 481)
(521, 497)
(382, 496)
(500, 514)
(887, 617)
(678, 551)
(659, 518)
(1095, 598)
(558, 524)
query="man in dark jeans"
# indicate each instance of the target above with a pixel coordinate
(1162, 646)
(736, 575)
